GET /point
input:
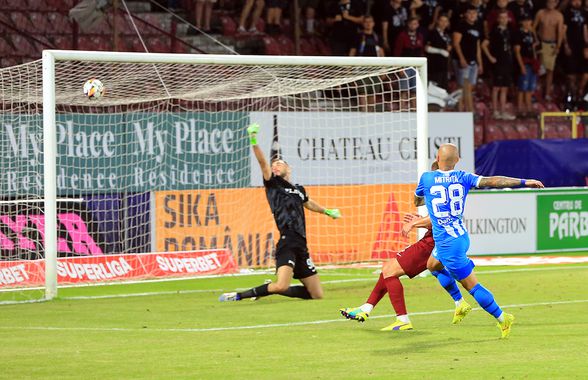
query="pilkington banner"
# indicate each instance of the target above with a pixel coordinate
(562, 221)
(104, 153)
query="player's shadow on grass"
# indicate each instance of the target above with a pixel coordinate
(410, 345)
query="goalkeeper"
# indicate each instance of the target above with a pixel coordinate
(286, 201)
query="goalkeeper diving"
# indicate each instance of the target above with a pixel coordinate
(287, 202)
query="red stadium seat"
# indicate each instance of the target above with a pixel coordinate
(550, 132)
(229, 25)
(60, 23)
(21, 21)
(101, 43)
(6, 48)
(9, 61)
(63, 42)
(523, 131)
(160, 20)
(60, 5)
(493, 132)
(478, 134)
(40, 23)
(551, 107)
(272, 47)
(307, 47)
(15, 5)
(23, 46)
(564, 131)
(286, 45)
(159, 45)
(508, 128)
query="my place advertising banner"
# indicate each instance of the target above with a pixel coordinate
(75, 270)
(240, 220)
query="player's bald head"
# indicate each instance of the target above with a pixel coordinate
(447, 156)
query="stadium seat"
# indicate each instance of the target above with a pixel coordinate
(159, 45)
(493, 132)
(40, 23)
(23, 47)
(6, 48)
(523, 130)
(103, 27)
(60, 23)
(481, 112)
(564, 131)
(533, 127)
(551, 107)
(59, 5)
(272, 47)
(478, 134)
(15, 5)
(286, 45)
(307, 47)
(21, 21)
(160, 20)
(62, 42)
(509, 130)
(229, 25)
(95, 42)
(8, 61)
(550, 132)
(538, 107)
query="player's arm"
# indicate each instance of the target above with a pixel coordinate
(415, 221)
(253, 130)
(419, 201)
(500, 182)
(313, 206)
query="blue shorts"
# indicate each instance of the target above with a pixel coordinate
(527, 82)
(452, 254)
(470, 73)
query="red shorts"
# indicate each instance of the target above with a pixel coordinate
(413, 259)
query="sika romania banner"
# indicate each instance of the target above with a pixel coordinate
(240, 220)
(75, 270)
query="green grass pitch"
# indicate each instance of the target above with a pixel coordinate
(183, 332)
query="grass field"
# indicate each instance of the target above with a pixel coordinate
(182, 331)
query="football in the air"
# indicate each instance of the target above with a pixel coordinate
(93, 89)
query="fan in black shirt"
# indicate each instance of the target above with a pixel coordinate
(438, 48)
(287, 202)
(575, 41)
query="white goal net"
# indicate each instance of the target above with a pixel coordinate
(161, 163)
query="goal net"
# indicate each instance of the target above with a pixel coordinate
(157, 175)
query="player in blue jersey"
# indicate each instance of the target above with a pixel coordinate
(444, 192)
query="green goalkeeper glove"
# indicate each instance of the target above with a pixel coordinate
(333, 213)
(252, 130)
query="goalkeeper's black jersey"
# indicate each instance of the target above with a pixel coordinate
(286, 202)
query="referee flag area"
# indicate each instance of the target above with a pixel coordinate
(177, 329)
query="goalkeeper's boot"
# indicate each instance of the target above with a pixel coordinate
(506, 325)
(354, 313)
(398, 325)
(232, 296)
(460, 312)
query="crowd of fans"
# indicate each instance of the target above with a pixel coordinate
(518, 44)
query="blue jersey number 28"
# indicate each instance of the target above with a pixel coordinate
(454, 194)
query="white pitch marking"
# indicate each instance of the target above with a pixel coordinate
(253, 327)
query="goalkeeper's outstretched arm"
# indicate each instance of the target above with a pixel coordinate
(253, 130)
(313, 206)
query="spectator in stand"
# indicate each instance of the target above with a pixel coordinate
(308, 9)
(576, 39)
(549, 26)
(498, 50)
(254, 17)
(203, 14)
(438, 47)
(428, 12)
(467, 56)
(273, 16)
(525, 45)
(395, 17)
(367, 44)
(492, 17)
(520, 8)
(344, 18)
(410, 42)
(461, 7)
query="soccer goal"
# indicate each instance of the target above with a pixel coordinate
(156, 177)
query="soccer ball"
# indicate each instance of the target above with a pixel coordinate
(93, 89)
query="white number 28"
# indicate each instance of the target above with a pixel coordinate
(454, 193)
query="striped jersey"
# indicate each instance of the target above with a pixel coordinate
(445, 194)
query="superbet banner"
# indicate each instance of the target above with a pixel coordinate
(75, 270)
(240, 220)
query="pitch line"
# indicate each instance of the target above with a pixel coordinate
(255, 327)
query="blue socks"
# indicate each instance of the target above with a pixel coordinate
(448, 283)
(486, 300)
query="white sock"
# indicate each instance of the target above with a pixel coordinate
(501, 317)
(457, 303)
(367, 307)
(403, 318)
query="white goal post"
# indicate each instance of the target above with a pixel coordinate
(54, 96)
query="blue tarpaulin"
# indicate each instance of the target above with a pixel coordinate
(557, 162)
